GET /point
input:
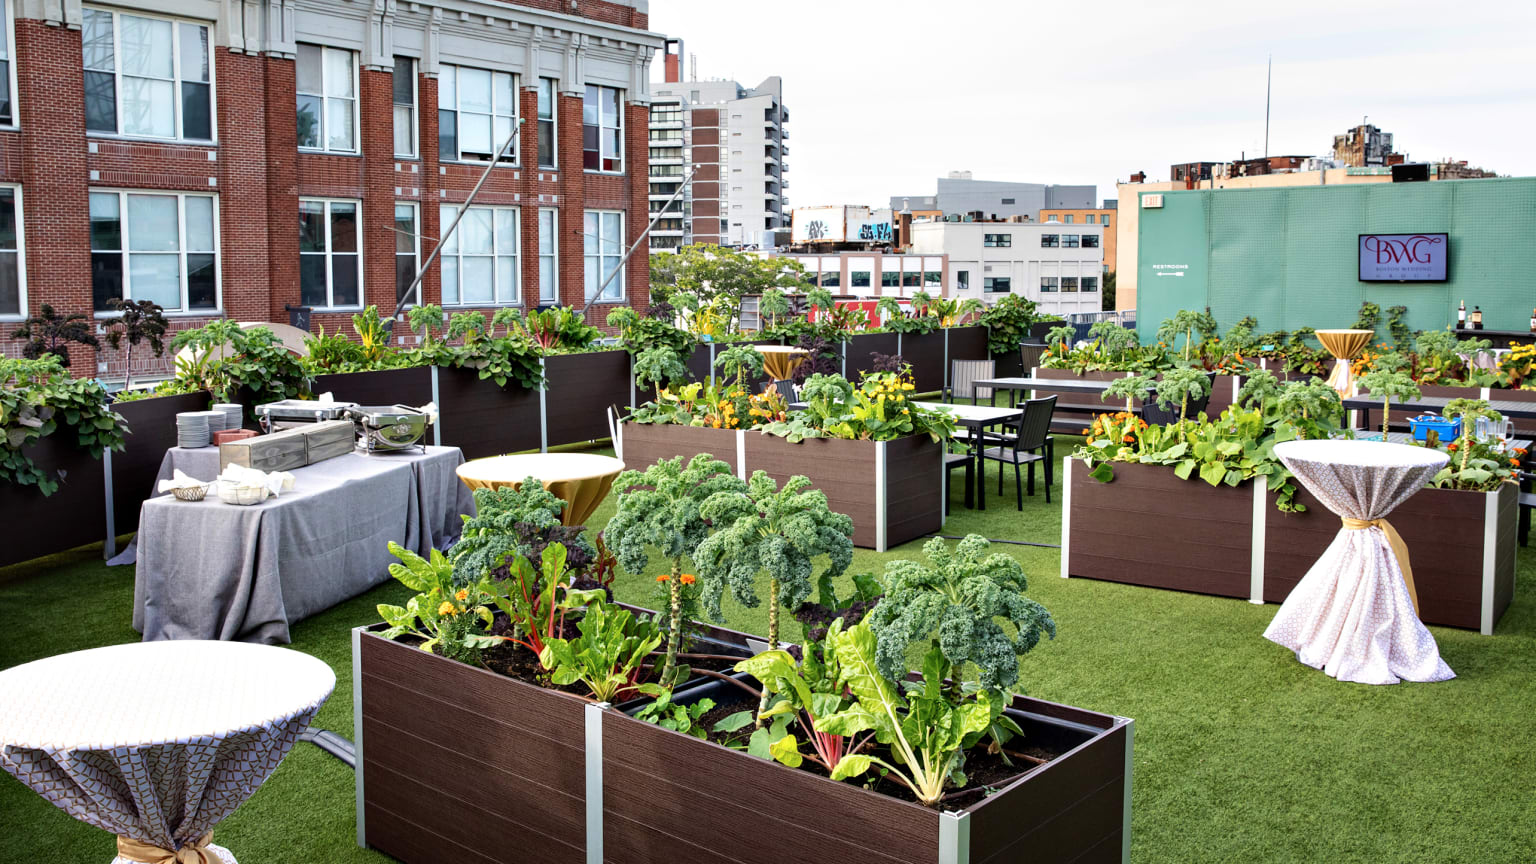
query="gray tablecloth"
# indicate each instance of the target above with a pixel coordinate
(211, 570)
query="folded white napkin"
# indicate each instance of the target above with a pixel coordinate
(179, 480)
(430, 409)
(275, 482)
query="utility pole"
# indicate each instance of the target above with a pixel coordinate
(1268, 79)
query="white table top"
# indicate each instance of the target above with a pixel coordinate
(1361, 454)
(546, 467)
(146, 693)
(975, 413)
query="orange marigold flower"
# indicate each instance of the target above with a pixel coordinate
(687, 579)
(663, 578)
(462, 594)
(446, 609)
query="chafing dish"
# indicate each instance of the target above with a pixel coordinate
(296, 412)
(388, 428)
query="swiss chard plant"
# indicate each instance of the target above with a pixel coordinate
(448, 617)
(537, 599)
(607, 655)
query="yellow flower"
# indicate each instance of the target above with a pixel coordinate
(909, 386)
(446, 609)
(462, 594)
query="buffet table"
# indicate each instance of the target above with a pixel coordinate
(210, 570)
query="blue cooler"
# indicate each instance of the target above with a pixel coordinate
(1446, 430)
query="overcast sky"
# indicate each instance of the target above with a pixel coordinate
(886, 96)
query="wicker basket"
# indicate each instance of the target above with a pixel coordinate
(190, 493)
(231, 493)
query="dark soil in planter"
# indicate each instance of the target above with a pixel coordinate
(985, 772)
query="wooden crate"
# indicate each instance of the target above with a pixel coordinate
(283, 450)
(328, 439)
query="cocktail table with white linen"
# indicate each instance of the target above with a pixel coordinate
(157, 742)
(1354, 615)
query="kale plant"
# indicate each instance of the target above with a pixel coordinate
(510, 522)
(958, 603)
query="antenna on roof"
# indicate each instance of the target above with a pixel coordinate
(1268, 78)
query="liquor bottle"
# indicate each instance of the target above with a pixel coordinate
(1533, 320)
(1461, 316)
(1477, 317)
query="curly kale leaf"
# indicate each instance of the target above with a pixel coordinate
(960, 602)
(660, 508)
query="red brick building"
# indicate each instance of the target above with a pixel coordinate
(231, 158)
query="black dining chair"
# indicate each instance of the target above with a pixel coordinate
(786, 389)
(1030, 442)
(951, 462)
(1527, 503)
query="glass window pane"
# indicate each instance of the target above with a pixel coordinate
(450, 280)
(309, 121)
(147, 46)
(156, 278)
(106, 227)
(546, 142)
(547, 280)
(610, 145)
(546, 98)
(106, 278)
(477, 275)
(312, 280)
(447, 135)
(196, 118)
(338, 73)
(344, 280)
(610, 106)
(503, 131)
(10, 283)
(152, 224)
(149, 107)
(475, 90)
(445, 218)
(194, 52)
(311, 226)
(403, 81)
(405, 228)
(589, 231)
(589, 109)
(591, 278)
(343, 227)
(202, 289)
(506, 94)
(7, 218)
(475, 133)
(405, 122)
(339, 124)
(506, 232)
(199, 216)
(405, 275)
(611, 232)
(475, 232)
(506, 280)
(6, 117)
(447, 88)
(307, 74)
(547, 232)
(96, 34)
(100, 102)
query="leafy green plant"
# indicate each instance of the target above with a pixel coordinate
(38, 399)
(448, 618)
(1489, 466)
(423, 320)
(803, 691)
(958, 604)
(1181, 385)
(372, 335)
(1129, 388)
(1188, 324)
(137, 321)
(606, 656)
(537, 600)
(660, 367)
(1386, 384)
(51, 333)
(951, 312)
(558, 328)
(667, 714)
(820, 299)
(1114, 339)
(1061, 338)
(332, 352)
(469, 327)
(639, 334)
(773, 305)
(226, 358)
(1008, 322)
(661, 508)
(516, 521)
(738, 362)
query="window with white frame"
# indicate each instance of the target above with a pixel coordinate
(146, 76)
(326, 80)
(1048, 284)
(604, 248)
(476, 113)
(997, 284)
(480, 257)
(548, 155)
(407, 251)
(330, 263)
(13, 278)
(156, 246)
(602, 129)
(549, 255)
(1069, 284)
(7, 68)
(404, 85)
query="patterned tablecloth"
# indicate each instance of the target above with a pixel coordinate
(1353, 615)
(157, 741)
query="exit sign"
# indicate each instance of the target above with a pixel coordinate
(1151, 202)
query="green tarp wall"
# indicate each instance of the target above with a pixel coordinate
(1287, 255)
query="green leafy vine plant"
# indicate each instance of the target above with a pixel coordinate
(38, 398)
(1008, 322)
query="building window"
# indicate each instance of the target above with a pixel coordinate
(932, 279)
(1007, 200)
(1049, 241)
(1069, 284)
(1104, 219)
(1048, 284)
(144, 76)
(7, 68)
(480, 257)
(1049, 216)
(476, 113)
(911, 280)
(997, 284)
(549, 255)
(161, 247)
(963, 280)
(1090, 241)
(997, 241)
(1090, 284)
(407, 252)
(330, 266)
(405, 107)
(604, 248)
(13, 281)
(547, 152)
(1069, 241)
(859, 279)
(890, 279)
(326, 79)
(602, 128)
(1067, 219)
(830, 278)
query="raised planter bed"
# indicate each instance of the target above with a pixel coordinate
(483, 419)
(75, 514)
(893, 490)
(411, 386)
(858, 348)
(1148, 527)
(151, 431)
(580, 389)
(926, 353)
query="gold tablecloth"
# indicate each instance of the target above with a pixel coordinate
(780, 361)
(581, 480)
(1346, 345)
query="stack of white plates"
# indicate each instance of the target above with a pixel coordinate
(215, 421)
(233, 414)
(192, 429)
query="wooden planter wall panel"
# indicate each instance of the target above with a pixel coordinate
(151, 431)
(74, 515)
(643, 444)
(483, 419)
(970, 343)
(925, 351)
(412, 387)
(581, 388)
(843, 470)
(914, 480)
(857, 351)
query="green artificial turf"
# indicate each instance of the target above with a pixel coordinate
(1242, 754)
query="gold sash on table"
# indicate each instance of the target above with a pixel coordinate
(1399, 548)
(195, 852)
(1346, 345)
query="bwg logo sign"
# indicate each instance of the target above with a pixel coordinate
(1403, 257)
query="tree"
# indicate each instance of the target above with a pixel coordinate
(1107, 293)
(51, 333)
(137, 321)
(721, 276)
(660, 508)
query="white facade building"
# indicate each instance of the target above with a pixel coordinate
(1060, 267)
(669, 160)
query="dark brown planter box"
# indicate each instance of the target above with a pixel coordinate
(1462, 546)
(858, 348)
(925, 351)
(457, 763)
(1148, 527)
(580, 389)
(483, 419)
(669, 797)
(151, 431)
(75, 514)
(970, 343)
(412, 386)
(851, 473)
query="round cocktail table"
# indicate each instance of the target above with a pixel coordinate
(581, 480)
